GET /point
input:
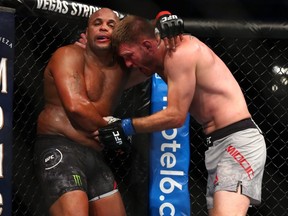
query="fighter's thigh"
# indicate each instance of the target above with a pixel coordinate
(59, 174)
(228, 203)
(73, 203)
(109, 206)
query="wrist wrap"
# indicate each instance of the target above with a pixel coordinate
(128, 127)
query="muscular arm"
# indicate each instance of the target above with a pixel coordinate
(68, 74)
(181, 80)
(181, 86)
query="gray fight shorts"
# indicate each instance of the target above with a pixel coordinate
(236, 158)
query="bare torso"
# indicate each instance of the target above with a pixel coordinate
(216, 97)
(103, 86)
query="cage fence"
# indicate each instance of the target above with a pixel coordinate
(259, 63)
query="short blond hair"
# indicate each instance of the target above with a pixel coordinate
(131, 29)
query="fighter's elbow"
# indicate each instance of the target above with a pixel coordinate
(74, 110)
(177, 120)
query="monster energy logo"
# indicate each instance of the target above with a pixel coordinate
(77, 180)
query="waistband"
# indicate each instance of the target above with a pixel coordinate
(232, 128)
(44, 141)
(52, 136)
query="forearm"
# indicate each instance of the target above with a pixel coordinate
(116, 134)
(86, 117)
(159, 121)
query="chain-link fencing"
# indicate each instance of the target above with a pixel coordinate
(259, 64)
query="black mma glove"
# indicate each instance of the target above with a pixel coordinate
(117, 134)
(168, 25)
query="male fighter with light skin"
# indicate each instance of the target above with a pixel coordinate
(199, 83)
(81, 86)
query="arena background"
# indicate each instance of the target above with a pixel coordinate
(252, 41)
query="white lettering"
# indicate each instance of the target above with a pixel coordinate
(80, 9)
(172, 184)
(1, 118)
(166, 205)
(170, 160)
(170, 17)
(1, 204)
(3, 75)
(52, 5)
(117, 138)
(6, 42)
(172, 172)
(172, 145)
(45, 5)
(51, 157)
(58, 8)
(170, 137)
(65, 7)
(74, 9)
(61, 6)
(92, 10)
(39, 4)
(86, 11)
(1, 160)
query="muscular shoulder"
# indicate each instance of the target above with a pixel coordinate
(186, 53)
(185, 48)
(69, 56)
(191, 51)
(70, 52)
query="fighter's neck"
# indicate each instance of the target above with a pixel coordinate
(101, 58)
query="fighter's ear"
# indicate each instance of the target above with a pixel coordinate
(147, 44)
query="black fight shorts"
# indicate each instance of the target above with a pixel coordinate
(63, 165)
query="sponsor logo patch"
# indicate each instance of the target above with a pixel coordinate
(52, 158)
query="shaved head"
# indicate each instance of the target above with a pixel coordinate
(104, 12)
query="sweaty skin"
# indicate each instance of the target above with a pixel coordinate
(82, 86)
(205, 87)
(198, 83)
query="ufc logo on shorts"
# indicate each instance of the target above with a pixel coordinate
(117, 138)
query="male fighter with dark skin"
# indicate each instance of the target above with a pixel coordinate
(199, 83)
(81, 86)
